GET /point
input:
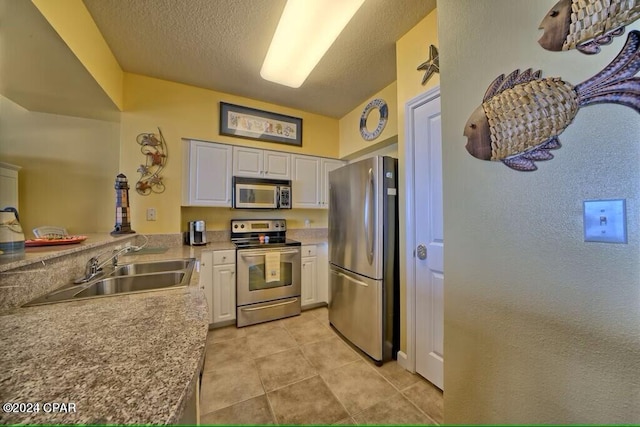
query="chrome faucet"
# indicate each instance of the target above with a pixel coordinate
(93, 268)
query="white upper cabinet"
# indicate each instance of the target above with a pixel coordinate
(305, 176)
(310, 176)
(277, 165)
(327, 166)
(253, 162)
(9, 186)
(209, 168)
(206, 174)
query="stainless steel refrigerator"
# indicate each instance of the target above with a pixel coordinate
(363, 255)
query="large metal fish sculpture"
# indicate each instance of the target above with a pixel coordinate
(586, 24)
(522, 114)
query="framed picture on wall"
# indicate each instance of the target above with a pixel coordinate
(245, 122)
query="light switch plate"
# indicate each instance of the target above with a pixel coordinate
(605, 221)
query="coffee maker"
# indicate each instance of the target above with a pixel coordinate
(196, 234)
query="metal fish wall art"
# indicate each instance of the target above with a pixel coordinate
(586, 24)
(522, 114)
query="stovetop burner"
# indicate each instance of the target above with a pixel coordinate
(251, 234)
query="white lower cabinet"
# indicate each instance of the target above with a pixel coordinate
(224, 287)
(309, 276)
(314, 274)
(323, 272)
(218, 281)
(206, 280)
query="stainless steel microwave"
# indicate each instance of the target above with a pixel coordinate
(258, 193)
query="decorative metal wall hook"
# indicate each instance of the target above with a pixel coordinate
(154, 148)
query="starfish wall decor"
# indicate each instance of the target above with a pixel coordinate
(431, 65)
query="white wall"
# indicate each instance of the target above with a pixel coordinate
(540, 327)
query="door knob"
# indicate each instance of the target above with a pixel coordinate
(421, 250)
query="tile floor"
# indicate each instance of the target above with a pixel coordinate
(299, 371)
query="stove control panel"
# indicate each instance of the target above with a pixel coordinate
(257, 226)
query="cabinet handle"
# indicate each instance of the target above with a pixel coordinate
(224, 257)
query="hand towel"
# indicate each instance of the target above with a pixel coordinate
(272, 267)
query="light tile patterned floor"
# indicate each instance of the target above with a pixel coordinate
(299, 371)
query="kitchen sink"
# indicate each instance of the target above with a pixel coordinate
(126, 279)
(129, 284)
(151, 267)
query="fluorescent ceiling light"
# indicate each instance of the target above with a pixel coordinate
(306, 30)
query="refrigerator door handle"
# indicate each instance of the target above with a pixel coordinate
(357, 282)
(368, 220)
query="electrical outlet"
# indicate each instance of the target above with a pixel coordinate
(151, 214)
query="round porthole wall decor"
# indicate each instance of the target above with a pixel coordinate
(381, 105)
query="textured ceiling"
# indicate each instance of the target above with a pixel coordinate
(220, 45)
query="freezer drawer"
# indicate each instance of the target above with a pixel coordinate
(355, 310)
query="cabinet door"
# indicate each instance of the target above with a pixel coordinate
(277, 165)
(306, 181)
(206, 280)
(323, 272)
(224, 292)
(247, 162)
(309, 278)
(327, 166)
(9, 186)
(208, 168)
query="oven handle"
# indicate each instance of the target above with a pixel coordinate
(270, 305)
(247, 254)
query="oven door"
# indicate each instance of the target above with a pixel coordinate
(252, 286)
(256, 196)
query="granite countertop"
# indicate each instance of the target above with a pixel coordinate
(309, 236)
(314, 240)
(122, 359)
(43, 253)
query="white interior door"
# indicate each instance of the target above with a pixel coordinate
(428, 240)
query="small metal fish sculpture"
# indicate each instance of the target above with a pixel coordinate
(522, 114)
(586, 24)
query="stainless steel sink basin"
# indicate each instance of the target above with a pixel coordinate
(151, 267)
(129, 284)
(127, 279)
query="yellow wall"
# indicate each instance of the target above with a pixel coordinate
(352, 143)
(540, 327)
(183, 111)
(68, 170)
(74, 24)
(411, 50)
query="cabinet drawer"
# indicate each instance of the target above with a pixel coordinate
(308, 250)
(224, 257)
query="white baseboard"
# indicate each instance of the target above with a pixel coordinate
(403, 360)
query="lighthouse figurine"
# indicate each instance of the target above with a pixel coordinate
(123, 212)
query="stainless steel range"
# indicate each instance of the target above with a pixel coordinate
(268, 271)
